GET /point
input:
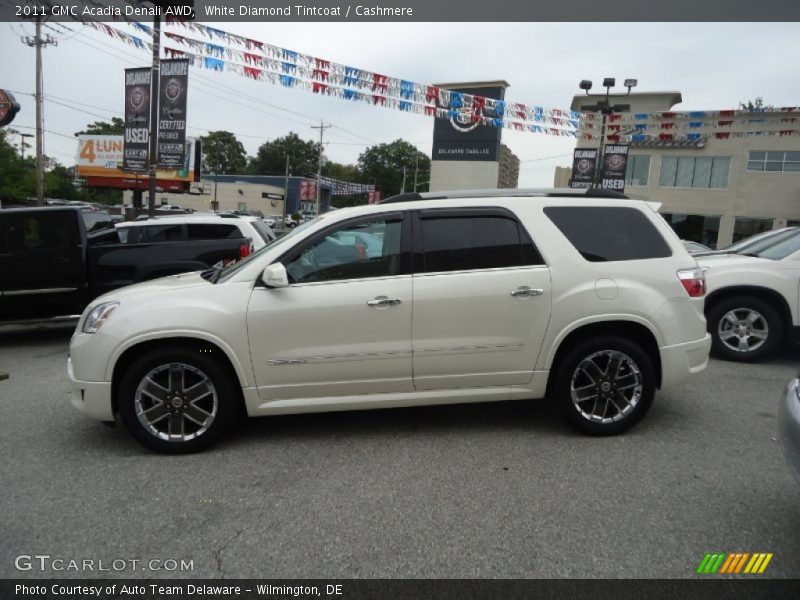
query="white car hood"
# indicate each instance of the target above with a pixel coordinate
(169, 284)
(730, 260)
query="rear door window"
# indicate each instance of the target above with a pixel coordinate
(453, 242)
(609, 233)
(212, 231)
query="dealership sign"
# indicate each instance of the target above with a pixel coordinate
(173, 83)
(463, 137)
(137, 120)
(8, 108)
(584, 164)
(615, 163)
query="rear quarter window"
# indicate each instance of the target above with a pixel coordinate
(212, 231)
(609, 233)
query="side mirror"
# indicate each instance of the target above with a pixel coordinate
(274, 276)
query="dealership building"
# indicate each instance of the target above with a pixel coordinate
(714, 188)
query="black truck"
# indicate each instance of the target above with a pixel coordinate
(51, 267)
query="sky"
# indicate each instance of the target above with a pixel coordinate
(713, 65)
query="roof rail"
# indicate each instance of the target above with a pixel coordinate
(505, 193)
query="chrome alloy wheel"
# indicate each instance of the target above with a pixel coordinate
(606, 386)
(743, 330)
(176, 402)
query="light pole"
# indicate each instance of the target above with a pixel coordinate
(22, 146)
(605, 107)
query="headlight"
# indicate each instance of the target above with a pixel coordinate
(98, 315)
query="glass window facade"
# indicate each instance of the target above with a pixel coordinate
(773, 161)
(703, 229)
(744, 227)
(709, 172)
(638, 170)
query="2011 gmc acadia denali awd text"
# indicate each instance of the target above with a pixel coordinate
(584, 297)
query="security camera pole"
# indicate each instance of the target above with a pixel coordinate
(606, 108)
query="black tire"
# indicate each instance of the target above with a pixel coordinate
(611, 409)
(768, 322)
(203, 419)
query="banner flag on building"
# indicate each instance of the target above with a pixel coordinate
(173, 85)
(615, 163)
(584, 164)
(137, 120)
(374, 197)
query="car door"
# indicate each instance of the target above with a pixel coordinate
(42, 265)
(342, 327)
(482, 299)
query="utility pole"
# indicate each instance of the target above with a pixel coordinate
(38, 42)
(403, 190)
(22, 146)
(322, 127)
(285, 193)
(416, 170)
(153, 158)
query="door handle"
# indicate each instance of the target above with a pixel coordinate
(384, 301)
(525, 292)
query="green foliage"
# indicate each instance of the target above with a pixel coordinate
(116, 127)
(756, 105)
(223, 154)
(384, 165)
(271, 157)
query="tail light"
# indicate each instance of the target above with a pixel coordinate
(694, 281)
(244, 250)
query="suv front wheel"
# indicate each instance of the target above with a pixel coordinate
(744, 329)
(177, 400)
(605, 385)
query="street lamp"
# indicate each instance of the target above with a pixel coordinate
(605, 107)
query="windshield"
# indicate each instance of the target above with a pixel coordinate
(762, 240)
(776, 247)
(228, 272)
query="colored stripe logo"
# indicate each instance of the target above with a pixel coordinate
(734, 563)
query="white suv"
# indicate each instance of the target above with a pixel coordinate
(753, 298)
(586, 297)
(197, 226)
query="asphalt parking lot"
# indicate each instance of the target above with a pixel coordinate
(493, 490)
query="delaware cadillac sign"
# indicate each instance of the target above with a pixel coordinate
(8, 108)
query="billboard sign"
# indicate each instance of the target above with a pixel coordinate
(615, 163)
(584, 164)
(137, 120)
(173, 84)
(101, 157)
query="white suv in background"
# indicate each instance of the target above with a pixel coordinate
(588, 298)
(197, 226)
(752, 304)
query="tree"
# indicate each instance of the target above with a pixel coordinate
(116, 127)
(17, 180)
(384, 165)
(756, 105)
(223, 154)
(271, 157)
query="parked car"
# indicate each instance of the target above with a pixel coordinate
(752, 304)
(742, 246)
(695, 247)
(585, 297)
(52, 267)
(789, 425)
(197, 226)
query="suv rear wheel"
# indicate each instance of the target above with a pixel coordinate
(175, 400)
(744, 328)
(605, 385)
